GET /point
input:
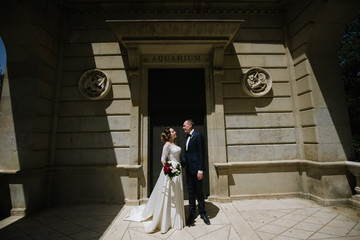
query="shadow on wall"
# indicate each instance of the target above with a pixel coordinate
(90, 138)
(235, 99)
(332, 115)
(25, 115)
(5, 201)
(92, 135)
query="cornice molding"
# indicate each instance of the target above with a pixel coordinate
(148, 8)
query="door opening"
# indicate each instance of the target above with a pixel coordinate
(174, 96)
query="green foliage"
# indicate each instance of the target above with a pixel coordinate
(356, 141)
(349, 56)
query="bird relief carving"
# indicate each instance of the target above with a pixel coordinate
(94, 84)
(256, 82)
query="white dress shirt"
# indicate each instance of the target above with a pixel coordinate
(188, 139)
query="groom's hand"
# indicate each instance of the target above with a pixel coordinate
(200, 176)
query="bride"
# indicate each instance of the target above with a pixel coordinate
(165, 207)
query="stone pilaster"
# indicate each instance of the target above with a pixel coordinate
(216, 131)
(18, 199)
(134, 117)
(133, 190)
(223, 171)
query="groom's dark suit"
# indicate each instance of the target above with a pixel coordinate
(194, 161)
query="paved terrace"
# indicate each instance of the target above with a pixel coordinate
(291, 218)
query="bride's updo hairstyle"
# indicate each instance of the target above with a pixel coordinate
(165, 135)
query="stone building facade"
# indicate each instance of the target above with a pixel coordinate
(89, 85)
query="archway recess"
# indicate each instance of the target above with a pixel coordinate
(176, 39)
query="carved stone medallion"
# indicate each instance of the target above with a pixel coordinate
(256, 82)
(94, 84)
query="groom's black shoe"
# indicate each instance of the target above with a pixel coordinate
(205, 218)
(190, 220)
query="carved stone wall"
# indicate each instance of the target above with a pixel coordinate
(296, 130)
(31, 35)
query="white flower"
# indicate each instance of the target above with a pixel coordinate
(175, 169)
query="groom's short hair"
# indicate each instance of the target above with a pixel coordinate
(191, 122)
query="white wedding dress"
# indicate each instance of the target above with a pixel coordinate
(165, 207)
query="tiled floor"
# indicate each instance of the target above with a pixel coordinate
(263, 219)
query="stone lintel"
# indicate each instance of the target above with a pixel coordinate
(168, 31)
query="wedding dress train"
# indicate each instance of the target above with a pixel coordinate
(165, 207)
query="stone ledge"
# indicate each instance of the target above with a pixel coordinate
(355, 202)
(354, 167)
(5, 171)
(348, 164)
(77, 167)
(18, 212)
(226, 169)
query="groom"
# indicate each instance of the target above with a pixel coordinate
(194, 165)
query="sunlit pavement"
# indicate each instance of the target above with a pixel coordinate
(291, 218)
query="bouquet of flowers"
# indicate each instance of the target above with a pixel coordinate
(172, 169)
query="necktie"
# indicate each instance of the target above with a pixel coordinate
(187, 141)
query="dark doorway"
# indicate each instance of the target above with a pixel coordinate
(174, 96)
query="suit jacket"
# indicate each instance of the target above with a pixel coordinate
(193, 158)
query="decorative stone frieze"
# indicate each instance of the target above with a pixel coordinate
(173, 7)
(202, 32)
(94, 84)
(256, 82)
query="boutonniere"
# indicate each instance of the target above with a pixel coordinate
(191, 136)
